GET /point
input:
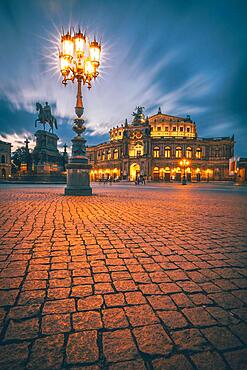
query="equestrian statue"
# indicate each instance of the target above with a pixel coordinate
(45, 116)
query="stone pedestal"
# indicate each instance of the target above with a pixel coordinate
(46, 157)
(78, 169)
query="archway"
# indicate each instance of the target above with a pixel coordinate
(3, 173)
(134, 171)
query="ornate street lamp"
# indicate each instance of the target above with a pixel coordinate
(184, 163)
(79, 60)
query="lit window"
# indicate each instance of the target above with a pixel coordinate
(156, 152)
(167, 152)
(174, 128)
(115, 154)
(103, 156)
(198, 153)
(178, 152)
(152, 128)
(158, 128)
(166, 128)
(181, 128)
(109, 155)
(138, 153)
(188, 152)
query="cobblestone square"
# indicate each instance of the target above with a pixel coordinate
(133, 277)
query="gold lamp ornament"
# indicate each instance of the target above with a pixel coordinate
(79, 60)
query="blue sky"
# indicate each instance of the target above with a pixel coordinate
(189, 57)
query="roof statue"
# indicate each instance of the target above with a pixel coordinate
(45, 116)
(139, 117)
(159, 111)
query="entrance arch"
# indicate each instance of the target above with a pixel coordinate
(134, 171)
(4, 173)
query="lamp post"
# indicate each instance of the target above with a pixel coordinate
(79, 60)
(184, 163)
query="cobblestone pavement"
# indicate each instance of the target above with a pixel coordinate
(132, 278)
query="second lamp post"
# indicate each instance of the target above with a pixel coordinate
(184, 162)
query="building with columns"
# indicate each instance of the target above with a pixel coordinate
(153, 147)
(5, 160)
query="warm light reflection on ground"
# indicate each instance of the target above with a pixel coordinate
(134, 276)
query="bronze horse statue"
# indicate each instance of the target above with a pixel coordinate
(45, 116)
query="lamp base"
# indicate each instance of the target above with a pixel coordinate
(78, 178)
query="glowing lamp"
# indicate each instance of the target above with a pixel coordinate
(67, 45)
(88, 67)
(79, 43)
(64, 65)
(95, 50)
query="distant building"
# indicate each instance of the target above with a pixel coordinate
(5, 160)
(238, 169)
(154, 147)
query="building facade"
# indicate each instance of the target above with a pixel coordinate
(5, 160)
(154, 147)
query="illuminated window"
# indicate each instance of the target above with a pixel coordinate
(156, 152)
(138, 153)
(198, 153)
(115, 154)
(188, 152)
(181, 128)
(103, 156)
(217, 152)
(158, 128)
(109, 155)
(178, 152)
(174, 128)
(167, 152)
(166, 128)
(152, 128)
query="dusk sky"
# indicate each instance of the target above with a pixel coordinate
(188, 57)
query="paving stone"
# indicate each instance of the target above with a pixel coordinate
(119, 346)
(199, 316)
(94, 302)
(47, 353)
(87, 320)
(82, 347)
(25, 329)
(153, 340)
(176, 362)
(13, 356)
(140, 315)
(237, 359)
(53, 324)
(114, 318)
(208, 360)
(190, 340)
(221, 338)
(128, 365)
(173, 319)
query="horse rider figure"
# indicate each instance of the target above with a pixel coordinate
(45, 116)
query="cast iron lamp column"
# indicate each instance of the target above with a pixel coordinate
(184, 163)
(79, 60)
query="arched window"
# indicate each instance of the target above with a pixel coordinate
(156, 152)
(178, 152)
(188, 152)
(198, 153)
(115, 154)
(3, 159)
(103, 156)
(109, 155)
(167, 152)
